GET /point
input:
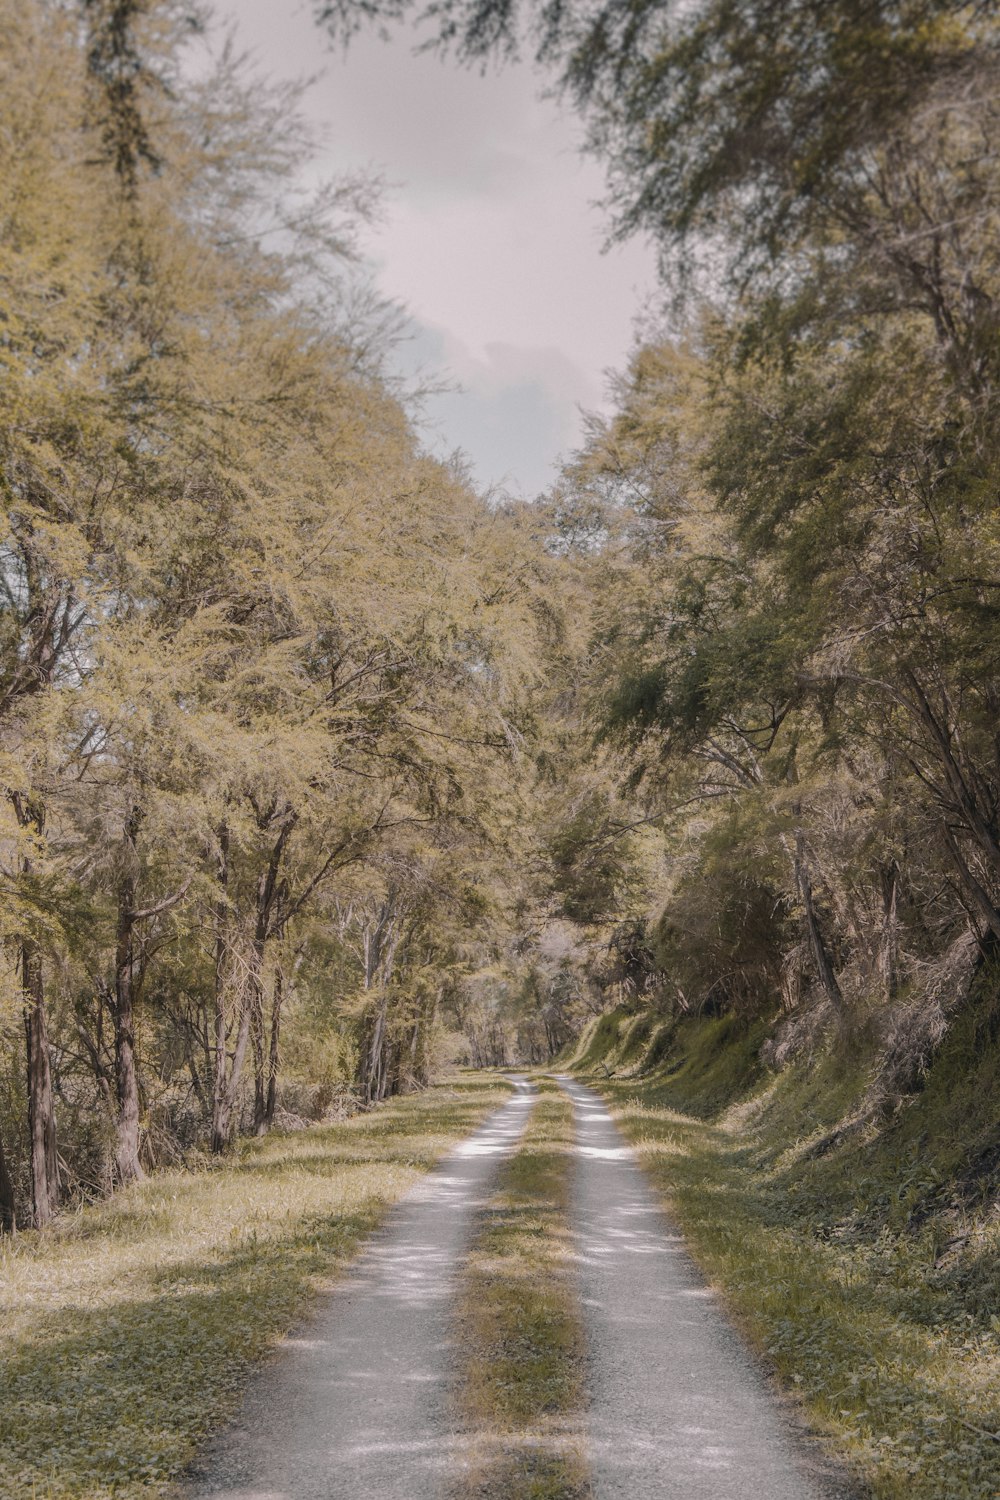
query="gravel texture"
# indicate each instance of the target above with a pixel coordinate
(356, 1403)
(679, 1410)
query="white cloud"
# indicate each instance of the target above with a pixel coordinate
(490, 237)
(516, 410)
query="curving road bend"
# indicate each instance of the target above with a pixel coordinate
(358, 1404)
(678, 1410)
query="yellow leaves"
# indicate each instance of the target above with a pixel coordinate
(246, 615)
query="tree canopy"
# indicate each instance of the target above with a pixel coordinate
(319, 769)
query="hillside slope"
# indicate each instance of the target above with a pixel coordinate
(854, 1230)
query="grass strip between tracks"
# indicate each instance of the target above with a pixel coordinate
(128, 1330)
(520, 1382)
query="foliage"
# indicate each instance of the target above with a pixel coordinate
(795, 653)
(266, 669)
(745, 128)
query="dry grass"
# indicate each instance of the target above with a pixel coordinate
(520, 1382)
(128, 1331)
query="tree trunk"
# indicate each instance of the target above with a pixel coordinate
(43, 1157)
(251, 1020)
(381, 940)
(127, 1165)
(824, 967)
(269, 894)
(8, 1206)
(220, 1119)
(374, 1060)
(890, 929)
(41, 1104)
(255, 1004)
(274, 1054)
(415, 1038)
(226, 1102)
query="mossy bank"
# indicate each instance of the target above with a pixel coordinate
(855, 1234)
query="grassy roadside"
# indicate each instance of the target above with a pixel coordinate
(128, 1331)
(520, 1372)
(891, 1344)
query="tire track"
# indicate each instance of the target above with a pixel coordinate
(678, 1409)
(356, 1403)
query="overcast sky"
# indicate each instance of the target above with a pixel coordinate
(490, 237)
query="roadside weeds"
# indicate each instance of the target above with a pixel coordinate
(887, 1364)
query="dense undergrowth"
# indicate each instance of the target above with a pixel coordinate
(860, 1250)
(128, 1330)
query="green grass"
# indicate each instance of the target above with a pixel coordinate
(709, 1061)
(128, 1331)
(519, 1329)
(864, 1265)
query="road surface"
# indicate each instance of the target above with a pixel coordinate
(357, 1403)
(678, 1410)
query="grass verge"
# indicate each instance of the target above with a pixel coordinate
(127, 1332)
(519, 1330)
(891, 1345)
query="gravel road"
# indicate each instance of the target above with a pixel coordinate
(356, 1405)
(678, 1409)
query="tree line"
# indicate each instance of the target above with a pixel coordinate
(790, 524)
(318, 769)
(265, 667)
(793, 514)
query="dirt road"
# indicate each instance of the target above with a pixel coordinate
(357, 1403)
(678, 1410)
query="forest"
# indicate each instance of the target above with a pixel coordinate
(301, 733)
(324, 774)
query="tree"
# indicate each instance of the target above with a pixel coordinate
(214, 713)
(54, 426)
